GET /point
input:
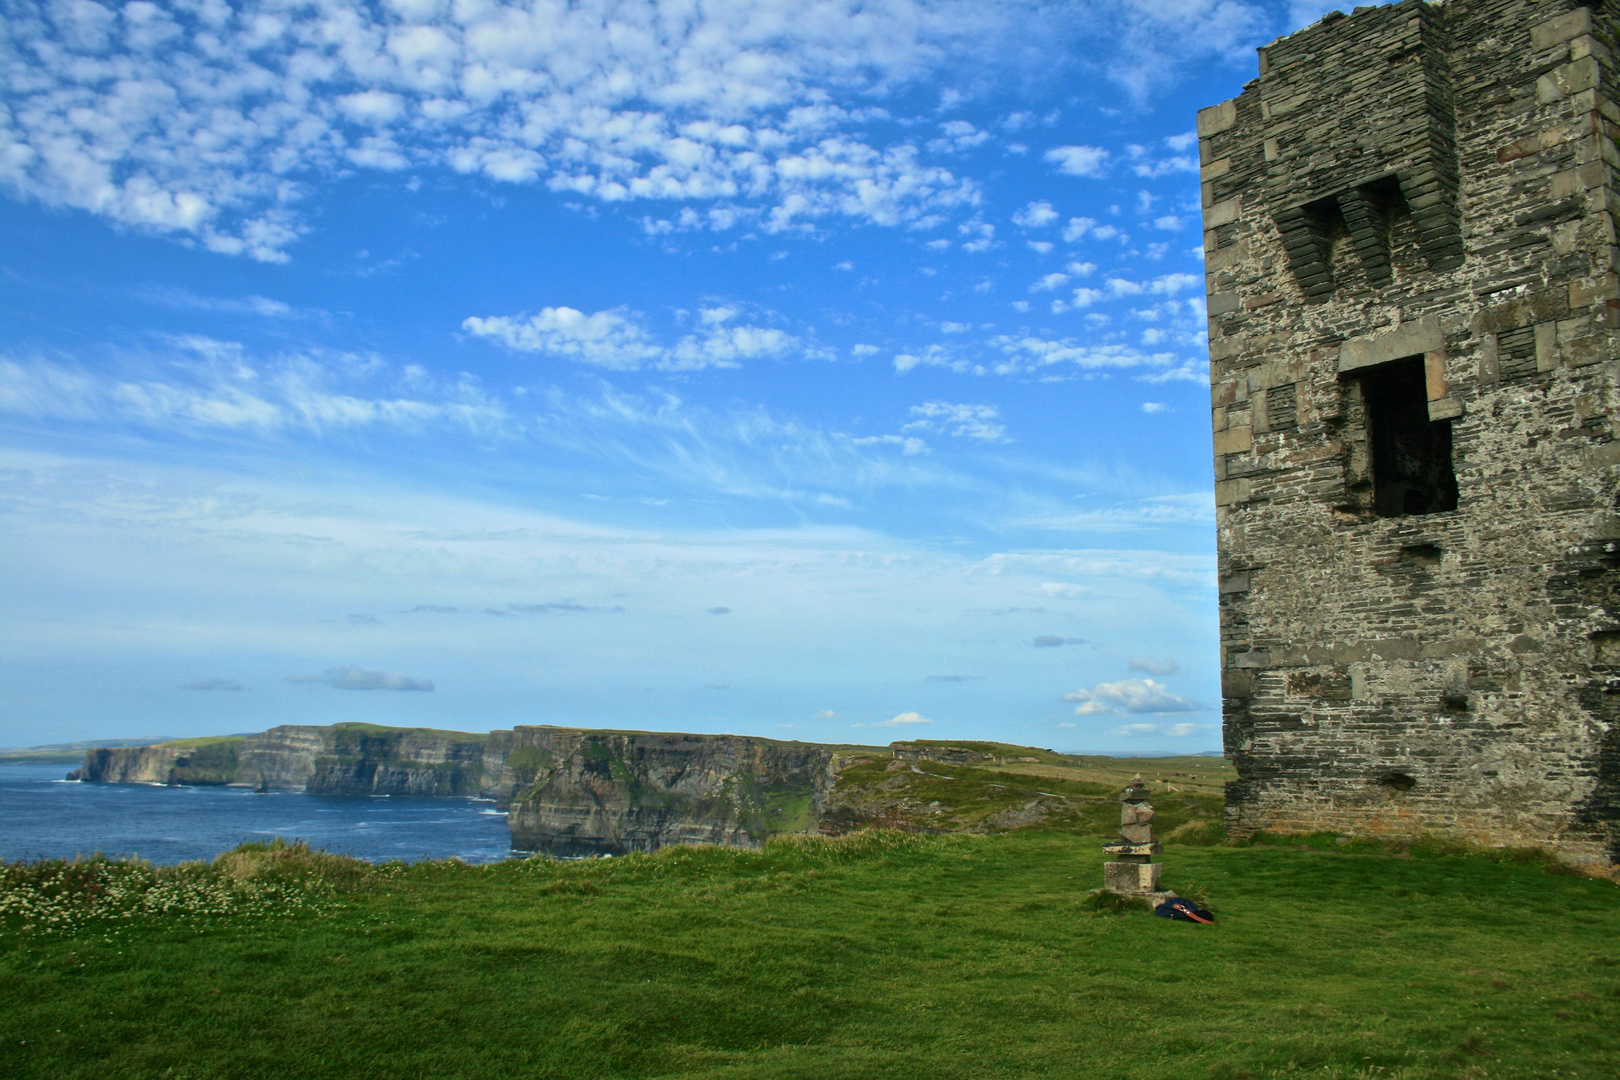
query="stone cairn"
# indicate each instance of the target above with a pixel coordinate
(1132, 871)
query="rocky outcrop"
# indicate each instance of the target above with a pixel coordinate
(183, 762)
(945, 755)
(611, 792)
(126, 765)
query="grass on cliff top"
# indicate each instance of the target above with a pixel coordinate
(203, 741)
(879, 955)
(1193, 772)
(1013, 793)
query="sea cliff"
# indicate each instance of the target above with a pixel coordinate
(576, 791)
(611, 792)
(568, 791)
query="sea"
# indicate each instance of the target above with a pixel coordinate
(43, 816)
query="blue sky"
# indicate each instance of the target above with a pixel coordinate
(804, 368)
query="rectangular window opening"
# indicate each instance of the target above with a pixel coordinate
(1411, 454)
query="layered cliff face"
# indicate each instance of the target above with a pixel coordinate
(185, 761)
(609, 792)
(283, 757)
(346, 759)
(397, 761)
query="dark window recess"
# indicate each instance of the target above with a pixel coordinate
(1282, 407)
(1411, 455)
(1516, 353)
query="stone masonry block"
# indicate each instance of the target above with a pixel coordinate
(1445, 409)
(1572, 78)
(1232, 491)
(1218, 118)
(1546, 337)
(1577, 181)
(1408, 339)
(1434, 374)
(1222, 303)
(1557, 31)
(1234, 440)
(1588, 291)
(1237, 683)
(1131, 878)
(1222, 213)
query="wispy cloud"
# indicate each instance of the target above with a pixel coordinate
(213, 684)
(209, 384)
(618, 340)
(358, 678)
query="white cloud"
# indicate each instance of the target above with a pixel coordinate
(1023, 354)
(1130, 696)
(617, 340)
(1151, 407)
(1050, 282)
(1167, 666)
(1169, 222)
(864, 350)
(965, 421)
(213, 121)
(609, 339)
(1077, 228)
(983, 232)
(1079, 160)
(1036, 215)
(1040, 247)
(1181, 163)
(904, 719)
(957, 136)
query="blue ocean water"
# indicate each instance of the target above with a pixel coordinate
(43, 816)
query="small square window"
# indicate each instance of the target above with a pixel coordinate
(1411, 454)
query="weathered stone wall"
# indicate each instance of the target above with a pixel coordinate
(1410, 213)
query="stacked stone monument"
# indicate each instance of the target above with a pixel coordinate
(1133, 871)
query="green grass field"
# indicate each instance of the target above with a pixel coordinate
(878, 955)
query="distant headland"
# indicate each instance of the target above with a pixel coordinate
(575, 791)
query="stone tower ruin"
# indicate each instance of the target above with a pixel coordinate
(1413, 309)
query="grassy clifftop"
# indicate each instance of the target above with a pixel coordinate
(880, 955)
(1007, 787)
